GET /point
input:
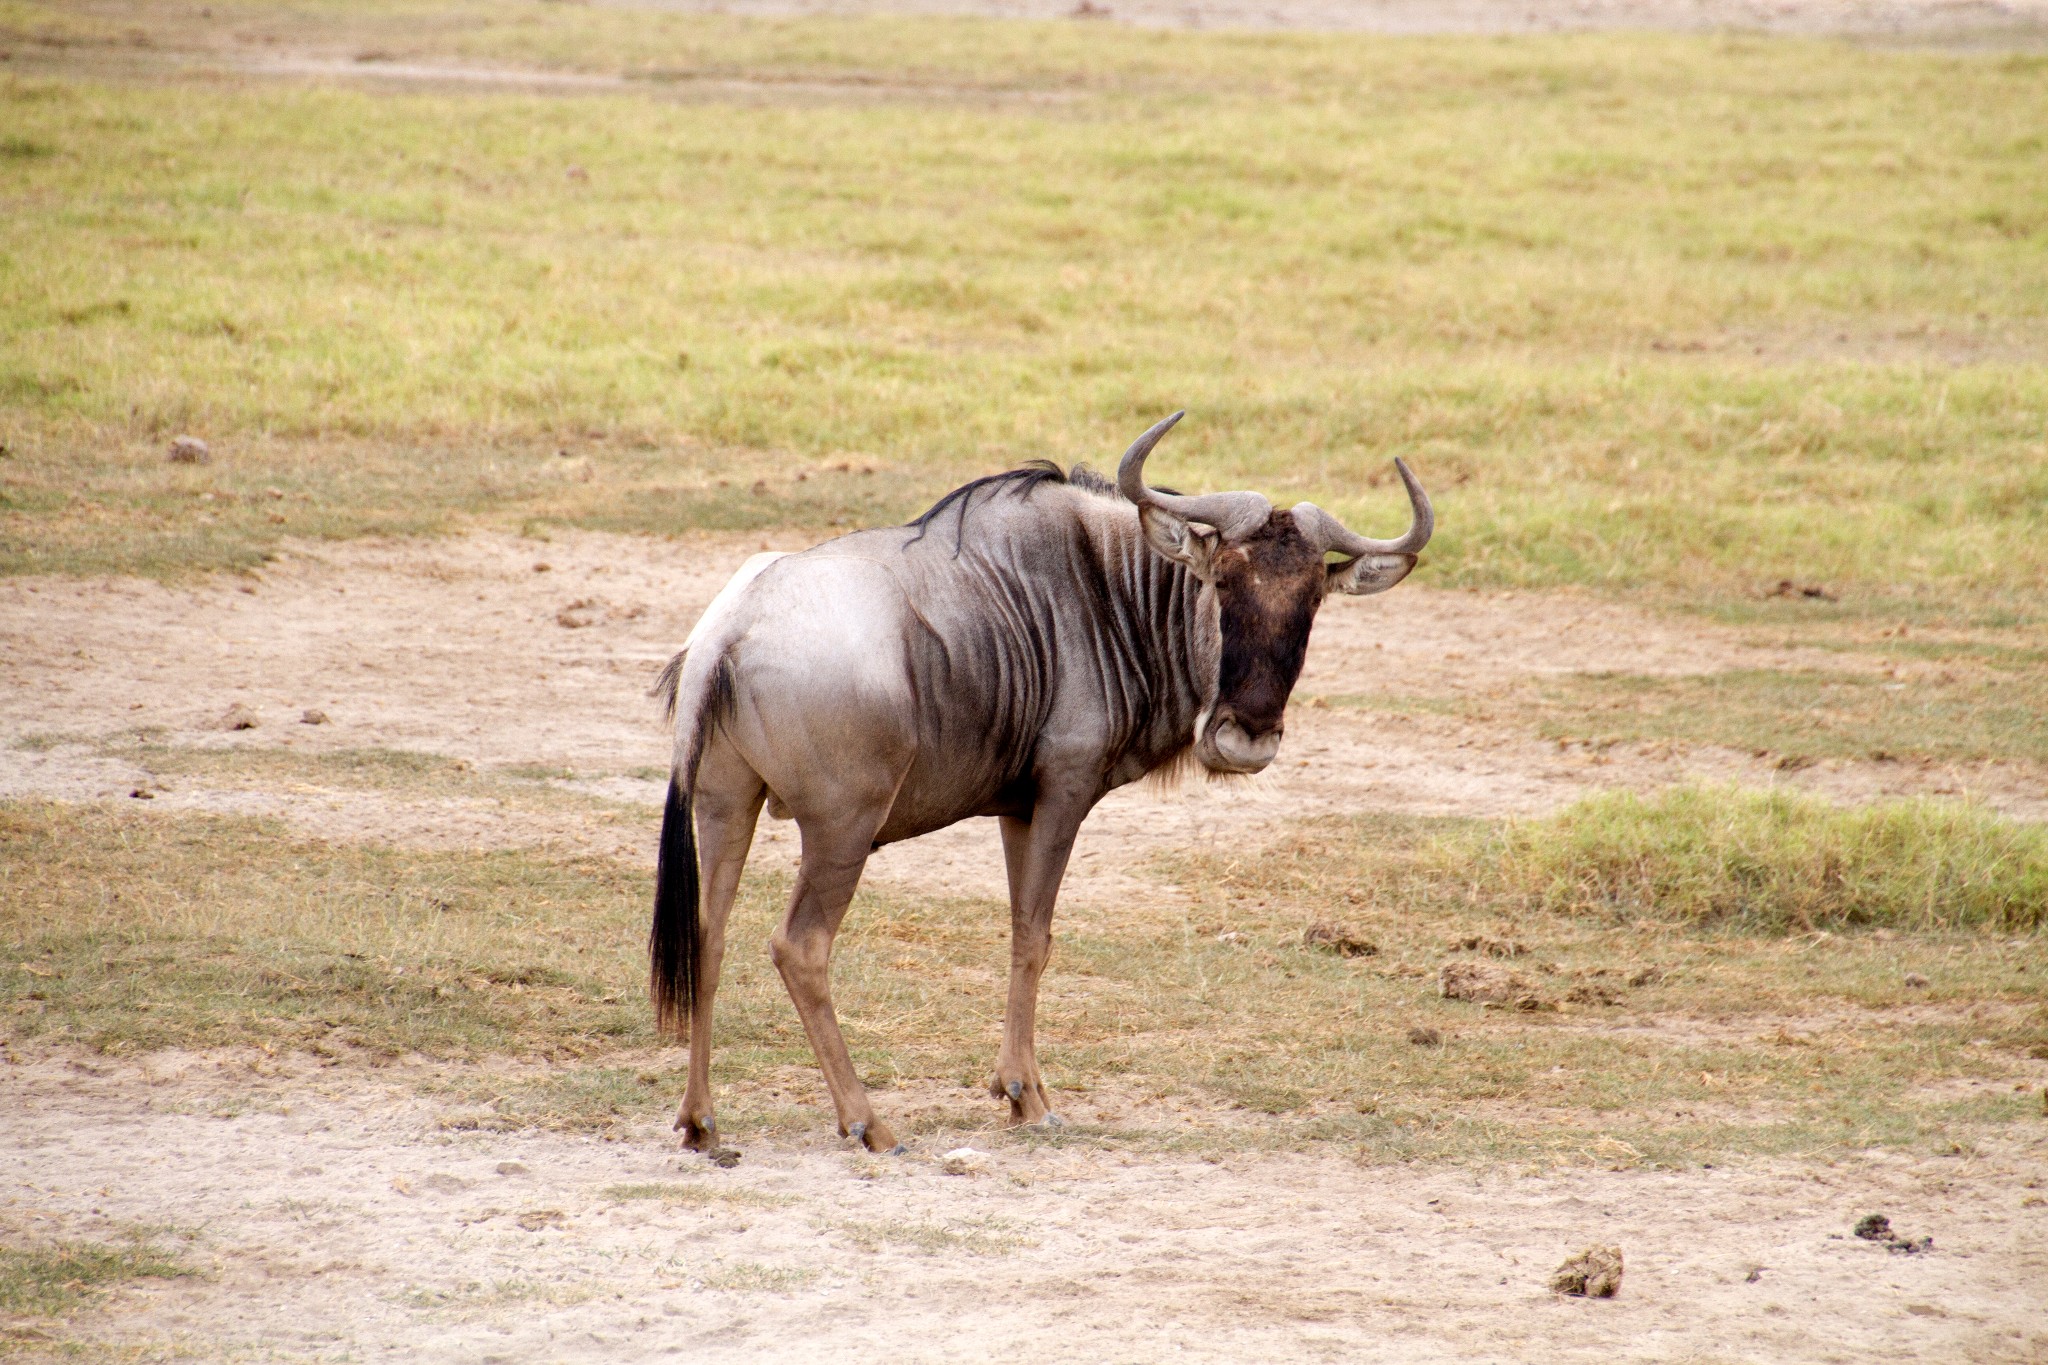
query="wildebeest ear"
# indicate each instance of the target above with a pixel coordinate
(1369, 573)
(1183, 542)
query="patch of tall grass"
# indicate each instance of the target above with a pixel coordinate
(1776, 860)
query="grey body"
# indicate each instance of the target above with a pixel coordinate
(1026, 648)
(939, 664)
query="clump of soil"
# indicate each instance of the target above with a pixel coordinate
(237, 717)
(1424, 1036)
(1594, 1273)
(1340, 939)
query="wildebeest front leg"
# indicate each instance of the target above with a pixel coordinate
(728, 804)
(802, 951)
(1035, 852)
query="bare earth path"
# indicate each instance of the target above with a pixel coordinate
(337, 1221)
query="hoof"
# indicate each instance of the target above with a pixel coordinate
(1052, 1122)
(899, 1150)
(1015, 1090)
(858, 1132)
(699, 1135)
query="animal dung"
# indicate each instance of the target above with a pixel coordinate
(1875, 1227)
(237, 717)
(1482, 982)
(1340, 939)
(578, 614)
(1594, 1273)
(189, 450)
(964, 1161)
(1424, 1036)
(1488, 946)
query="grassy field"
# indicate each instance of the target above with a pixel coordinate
(198, 932)
(1677, 316)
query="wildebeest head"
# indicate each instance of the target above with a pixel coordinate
(1263, 571)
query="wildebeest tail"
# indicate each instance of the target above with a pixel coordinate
(675, 941)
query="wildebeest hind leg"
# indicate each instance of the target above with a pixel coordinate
(1035, 853)
(802, 950)
(728, 799)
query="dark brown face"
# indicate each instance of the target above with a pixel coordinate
(1268, 586)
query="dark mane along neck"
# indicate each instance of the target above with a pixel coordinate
(1160, 688)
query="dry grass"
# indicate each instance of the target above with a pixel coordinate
(1674, 1041)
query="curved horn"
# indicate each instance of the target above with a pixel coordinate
(1230, 513)
(1327, 532)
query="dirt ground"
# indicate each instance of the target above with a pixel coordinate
(340, 1214)
(336, 1218)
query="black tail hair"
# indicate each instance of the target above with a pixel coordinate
(675, 943)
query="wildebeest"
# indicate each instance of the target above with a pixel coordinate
(1034, 641)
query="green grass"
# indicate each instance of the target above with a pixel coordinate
(1674, 315)
(55, 1280)
(122, 931)
(1804, 715)
(1972, 711)
(1777, 860)
(1757, 861)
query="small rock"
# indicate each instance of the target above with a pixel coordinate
(237, 717)
(964, 1161)
(312, 716)
(1915, 981)
(511, 1168)
(1340, 939)
(1594, 1273)
(190, 450)
(1424, 1036)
